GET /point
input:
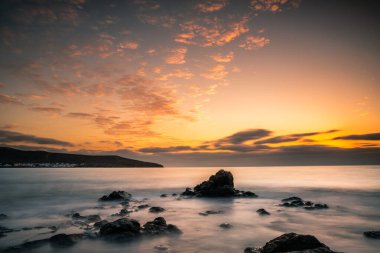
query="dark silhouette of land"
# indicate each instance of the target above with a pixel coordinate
(10, 157)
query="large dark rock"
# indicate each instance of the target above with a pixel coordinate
(292, 242)
(121, 229)
(372, 234)
(298, 202)
(159, 227)
(219, 185)
(156, 209)
(64, 240)
(116, 196)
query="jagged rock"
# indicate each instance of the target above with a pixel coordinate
(262, 211)
(372, 234)
(100, 223)
(292, 242)
(119, 230)
(219, 185)
(87, 219)
(225, 225)
(298, 202)
(156, 209)
(116, 196)
(158, 227)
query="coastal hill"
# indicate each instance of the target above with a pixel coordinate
(10, 157)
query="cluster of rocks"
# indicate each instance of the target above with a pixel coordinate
(292, 242)
(298, 202)
(125, 229)
(116, 196)
(219, 185)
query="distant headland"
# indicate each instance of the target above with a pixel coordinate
(10, 157)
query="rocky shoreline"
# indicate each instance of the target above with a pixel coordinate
(120, 228)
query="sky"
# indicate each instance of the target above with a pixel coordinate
(193, 83)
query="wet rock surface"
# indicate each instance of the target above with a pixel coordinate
(219, 185)
(225, 225)
(116, 196)
(262, 212)
(158, 227)
(120, 230)
(298, 202)
(372, 234)
(156, 209)
(292, 242)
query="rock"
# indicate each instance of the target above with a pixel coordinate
(4, 230)
(210, 212)
(174, 194)
(156, 209)
(372, 234)
(100, 223)
(262, 211)
(64, 240)
(3, 216)
(159, 227)
(87, 219)
(225, 225)
(292, 242)
(120, 230)
(161, 248)
(143, 206)
(116, 196)
(219, 185)
(298, 202)
(163, 195)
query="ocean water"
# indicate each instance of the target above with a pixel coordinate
(33, 197)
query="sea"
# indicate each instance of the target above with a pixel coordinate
(35, 199)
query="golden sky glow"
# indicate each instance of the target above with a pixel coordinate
(97, 76)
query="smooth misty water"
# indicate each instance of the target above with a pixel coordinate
(43, 197)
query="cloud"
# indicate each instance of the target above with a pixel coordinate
(166, 149)
(254, 42)
(244, 136)
(223, 58)
(164, 21)
(211, 5)
(207, 32)
(292, 137)
(6, 99)
(178, 73)
(362, 137)
(129, 45)
(273, 5)
(9, 137)
(217, 72)
(81, 115)
(50, 110)
(176, 56)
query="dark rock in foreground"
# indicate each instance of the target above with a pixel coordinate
(56, 241)
(158, 227)
(262, 211)
(120, 230)
(298, 202)
(219, 185)
(372, 234)
(292, 242)
(156, 209)
(116, 196)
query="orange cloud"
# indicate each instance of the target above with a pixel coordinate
(179, 73)
(176, 56)
(273, 5)
(254, 42)
(217, 72)
(6, 99)
(223, 58)
(129, 45)
(211, 5)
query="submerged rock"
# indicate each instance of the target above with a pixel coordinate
(158, 227)
(262, 211)
(210, 212)
(100, 223)
(292, 242)
(298, 202)
(120, 230)
(219, 185)
(163, 195)
(156, 209)
(143, 206)
(86, 219)
(372, 234)
(225, 225)
(116, 196)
